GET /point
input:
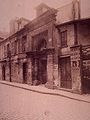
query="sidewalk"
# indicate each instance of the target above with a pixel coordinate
(43, 90)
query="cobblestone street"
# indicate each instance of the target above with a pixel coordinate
(21, 104)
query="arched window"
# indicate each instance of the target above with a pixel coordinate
(42, 44)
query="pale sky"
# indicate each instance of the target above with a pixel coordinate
(10, 9)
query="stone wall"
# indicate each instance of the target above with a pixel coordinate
(68, 12)
(76, 69)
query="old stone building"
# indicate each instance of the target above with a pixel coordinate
(53, 49)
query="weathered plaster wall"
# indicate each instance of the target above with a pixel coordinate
(83, 33)
(76, 66)
(68, 12)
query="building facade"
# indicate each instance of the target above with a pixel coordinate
(49, 50)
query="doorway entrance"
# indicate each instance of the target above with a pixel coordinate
(65, 69)
(39, 71)
(42, 71)
(25, 73)
(3, 72)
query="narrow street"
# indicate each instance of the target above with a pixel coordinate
(20, 104)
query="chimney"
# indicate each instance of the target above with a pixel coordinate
(40, 9)
(17, 24)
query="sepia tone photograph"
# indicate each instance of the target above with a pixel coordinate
(44, 59)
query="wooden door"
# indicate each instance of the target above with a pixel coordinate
(65, 68)
(42, 71)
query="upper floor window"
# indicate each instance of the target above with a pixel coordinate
(5, 51)
(16, 46)
(12, 48)
(8, 50)
(19, 46)
(24, 41)
(64, 39)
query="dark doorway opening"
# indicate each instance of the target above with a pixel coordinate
(3, 72)
(39, 60)
(65, 69)
(39, 71)
(42, 71)
(24, 72)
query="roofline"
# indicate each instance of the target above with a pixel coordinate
(14, 34)
(40, 16)
(57, 25)
(30, 22)
(72, 21)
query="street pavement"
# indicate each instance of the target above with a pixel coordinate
(18, 102)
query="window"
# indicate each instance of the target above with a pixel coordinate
(16, 46)
(64, 39)
(12, 48)
(8, 50)
(5, 51)
(24, 40)
(42, 44)
(19, 47)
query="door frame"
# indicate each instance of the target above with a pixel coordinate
(67, 84)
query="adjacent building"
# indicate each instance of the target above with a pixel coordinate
(3, 35)
(53, 49)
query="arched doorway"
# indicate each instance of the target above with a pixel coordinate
(39, 62)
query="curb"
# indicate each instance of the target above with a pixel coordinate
(47, 93)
